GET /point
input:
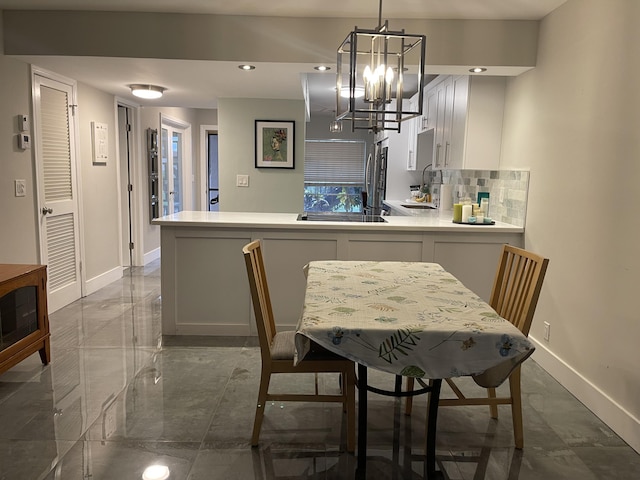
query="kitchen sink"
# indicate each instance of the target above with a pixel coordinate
(421, 206)
(339, 217)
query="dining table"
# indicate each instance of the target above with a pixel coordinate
(409, 319)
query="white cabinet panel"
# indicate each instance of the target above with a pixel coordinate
(473, 263)
(212, 271)
(466, 114)
(284, 260)
(400, 248)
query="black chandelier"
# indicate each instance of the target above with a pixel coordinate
(378, 71)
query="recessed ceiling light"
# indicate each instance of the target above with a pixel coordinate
(147, 91)
(477, 70)
(247, 67)
(322, 68)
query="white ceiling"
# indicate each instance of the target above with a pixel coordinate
(198, 84)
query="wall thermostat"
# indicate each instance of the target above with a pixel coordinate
(24, 141)
(23, 123)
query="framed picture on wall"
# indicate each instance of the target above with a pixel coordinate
(275, 144)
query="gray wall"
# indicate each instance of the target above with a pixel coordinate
(100, 206)
(270, 189)
(573, 122)
(18, 242)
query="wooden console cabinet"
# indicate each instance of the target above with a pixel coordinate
(24, 321)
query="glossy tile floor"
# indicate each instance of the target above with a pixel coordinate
(117, 398)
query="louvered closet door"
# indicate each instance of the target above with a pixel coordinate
(57, 186)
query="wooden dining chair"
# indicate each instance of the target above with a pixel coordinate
(277, 351)
(516, 288)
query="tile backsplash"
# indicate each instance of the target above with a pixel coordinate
(507, 189)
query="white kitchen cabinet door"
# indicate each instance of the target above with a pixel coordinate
(478, 130)
(412, 129)
(442, 138)
(455, 150)
(431, 109)
(468, 131)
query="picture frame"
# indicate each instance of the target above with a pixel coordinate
(275, 143)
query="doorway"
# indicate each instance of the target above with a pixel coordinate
(175, 170)
(127, 201)
(212, 172)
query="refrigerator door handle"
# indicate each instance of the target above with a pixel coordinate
(367, 174)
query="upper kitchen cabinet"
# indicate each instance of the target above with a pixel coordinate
(466, 114)
(403, 144)
(413, 130)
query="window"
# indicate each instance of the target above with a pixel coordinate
(334, 175)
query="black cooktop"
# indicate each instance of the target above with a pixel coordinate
(338, 217)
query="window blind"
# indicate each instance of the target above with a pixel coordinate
(334, 162)
(56, 157)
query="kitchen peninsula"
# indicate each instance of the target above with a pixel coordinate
(205, 290)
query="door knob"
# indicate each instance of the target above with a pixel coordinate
(46, 210)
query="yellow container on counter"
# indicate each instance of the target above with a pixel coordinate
(457, 212)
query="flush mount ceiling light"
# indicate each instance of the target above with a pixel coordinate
(322, 68)
(147, 91)
(477, 70)
(376, 62)
(156, 472)
(246, 67)
(358, 92)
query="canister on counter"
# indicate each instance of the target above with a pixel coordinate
(457, 212)
(483, 201)
(484, 206)
(466, 213)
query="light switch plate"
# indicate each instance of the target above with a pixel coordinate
(21, 188)
(242, 180)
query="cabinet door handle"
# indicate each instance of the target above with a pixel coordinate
(446, 154)
(46, 210)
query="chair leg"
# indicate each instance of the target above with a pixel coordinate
(493, 409)
(408, 405)
(349, 379)
(516, 408)
(265, 377)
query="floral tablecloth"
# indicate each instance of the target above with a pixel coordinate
(407, 318)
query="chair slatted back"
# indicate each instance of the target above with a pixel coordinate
(517, 286)
(260, 295)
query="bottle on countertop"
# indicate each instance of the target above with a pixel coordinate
(467, 209)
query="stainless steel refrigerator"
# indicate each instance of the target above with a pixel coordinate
(375, 180)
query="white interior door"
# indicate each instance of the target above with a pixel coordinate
(54, 128)
(175, 172)
(171, 157)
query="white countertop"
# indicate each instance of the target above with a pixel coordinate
(430, 220)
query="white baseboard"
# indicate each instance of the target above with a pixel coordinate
(96, 283)
(151, 256)
(602, 405)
